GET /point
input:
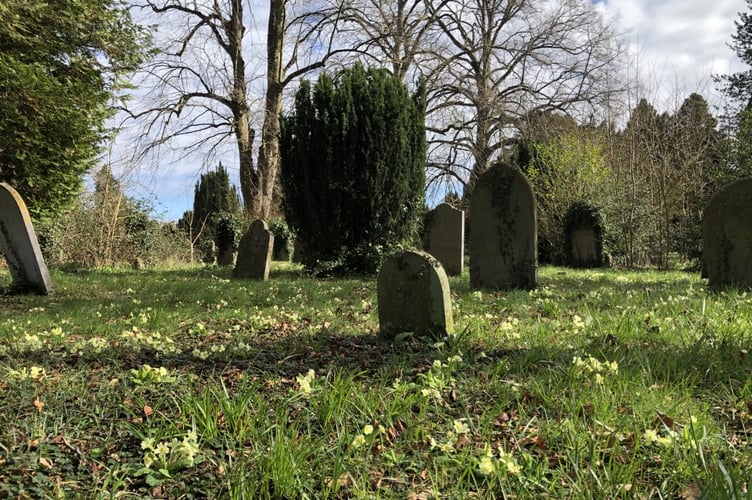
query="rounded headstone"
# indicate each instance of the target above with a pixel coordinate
(255, 252)
(413, 296)
(445, 237)
(727, 236)
(503, 231)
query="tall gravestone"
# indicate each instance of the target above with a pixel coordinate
(445, 237)
(413, 296)
(20, 246)
(255, 253)
(727, 236)
(503, 231)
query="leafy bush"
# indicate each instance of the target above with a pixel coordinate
(353, 169)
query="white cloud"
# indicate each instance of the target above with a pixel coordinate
(678, 45)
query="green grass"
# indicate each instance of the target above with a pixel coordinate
(184, 383)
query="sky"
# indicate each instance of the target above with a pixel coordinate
(676, 47)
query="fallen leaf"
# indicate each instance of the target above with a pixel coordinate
(148, 411)
(47, 464)
(665, 420)
(342, 481)
(220, 470)
(691, 492)
(38, 404)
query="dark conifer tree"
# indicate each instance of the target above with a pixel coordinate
(353, 168)
(216, 211)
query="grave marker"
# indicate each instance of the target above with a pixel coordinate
(503, 231)
(445, 237)
(727, 236)
(255, 253)
(20, 245)
(413, 296)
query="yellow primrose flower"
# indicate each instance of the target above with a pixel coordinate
(486, 465)
(162, 449)
(650, 436)
(461, 427)
(359, 441)
(368, 429)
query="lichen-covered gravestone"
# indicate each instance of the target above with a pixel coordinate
(727, 237)
(503, 231)
(413, 296)
(445, 237)
(255, 253)
(20, 246)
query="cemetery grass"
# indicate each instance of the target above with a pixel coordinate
(182, 383)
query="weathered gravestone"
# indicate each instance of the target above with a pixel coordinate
(727, 236)
(503, 231)
(413, 296)
(583, 236)
(226, 256)
(255, 252)
(20, 246)
(445, 237)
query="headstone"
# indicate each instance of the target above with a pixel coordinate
(298, 250)
(281, 250)
(727, 237)
(445, 237)
(225, 256)
(583, 231)
(413, 296)
(20, 245)
(503, 231)
(583, 247)
(255, 252)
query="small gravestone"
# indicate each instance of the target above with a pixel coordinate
(445, 237)
(583, 236)
(255, 253)
(413, 296)
(20, 246)
(226, 256)
(298, 251)
(727, 237)
(503, 231)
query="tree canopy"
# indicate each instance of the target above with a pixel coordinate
(61, 65)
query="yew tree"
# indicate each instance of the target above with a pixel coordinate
(353, 158)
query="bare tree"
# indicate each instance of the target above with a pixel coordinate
(500, 60)
(392, 33)
(201, 91)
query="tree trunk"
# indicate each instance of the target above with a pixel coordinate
(268, 161)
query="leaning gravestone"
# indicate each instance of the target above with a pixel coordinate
(445, 237)
(727, 236)
(413, 296)
(20, 246)
(503, 231)
(255, 253)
